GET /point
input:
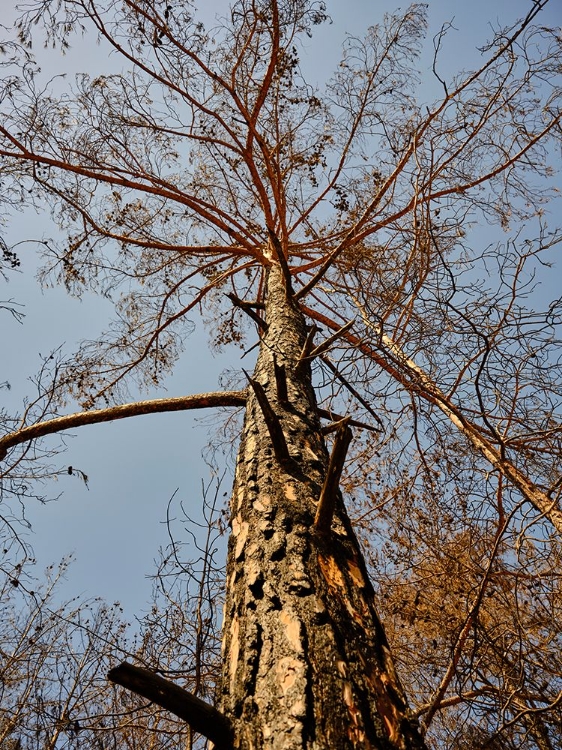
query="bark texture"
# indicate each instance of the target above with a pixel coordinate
(306, 661)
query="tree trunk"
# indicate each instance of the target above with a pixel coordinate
(306, 663)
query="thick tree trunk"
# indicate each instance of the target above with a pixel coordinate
(306, 661)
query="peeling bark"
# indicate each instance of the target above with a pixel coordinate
(306, 661)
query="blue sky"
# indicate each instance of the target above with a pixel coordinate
(115, 527)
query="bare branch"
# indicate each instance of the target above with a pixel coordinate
(274, 427)
(134, 409)
(203, 717)
(406, 372)
(248, 309)
(325, 345)
(327, 500)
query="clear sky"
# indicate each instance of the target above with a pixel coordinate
(115, 527)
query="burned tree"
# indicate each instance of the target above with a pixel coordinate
(336, 228)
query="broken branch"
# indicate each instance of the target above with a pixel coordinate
(272, 423)
(352, 390)
(325, 345)
(336, 421)
(247, 307)
(308, 346)
(201, 716)
(327, 501)
(280, 382)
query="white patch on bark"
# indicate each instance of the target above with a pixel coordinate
(250, 447)
(239, 530)
(293, 630)
(263, 504)
(252, 572)
(356, 574)
(290, 491)
(234, 651)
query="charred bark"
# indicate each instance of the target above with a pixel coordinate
(306, 660)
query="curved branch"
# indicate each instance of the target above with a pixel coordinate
(134, 409)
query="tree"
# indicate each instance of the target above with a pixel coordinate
(55, 655)
(211, 177)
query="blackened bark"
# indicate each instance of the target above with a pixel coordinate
(306, 661)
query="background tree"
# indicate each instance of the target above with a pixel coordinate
(211, 178)
(55, 655)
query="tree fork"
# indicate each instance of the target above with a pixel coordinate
(325, 345)
(336, 420)
(248, 309)
(354, 392)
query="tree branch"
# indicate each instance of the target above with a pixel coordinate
(308, 346)
(352, 390)
(247, 308)
(201, 716)
(325, 345)
(415, 380)
(273, 424)
(326, 503)
(134, 409)
(336, 421)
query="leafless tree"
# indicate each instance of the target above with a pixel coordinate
(55, 654)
